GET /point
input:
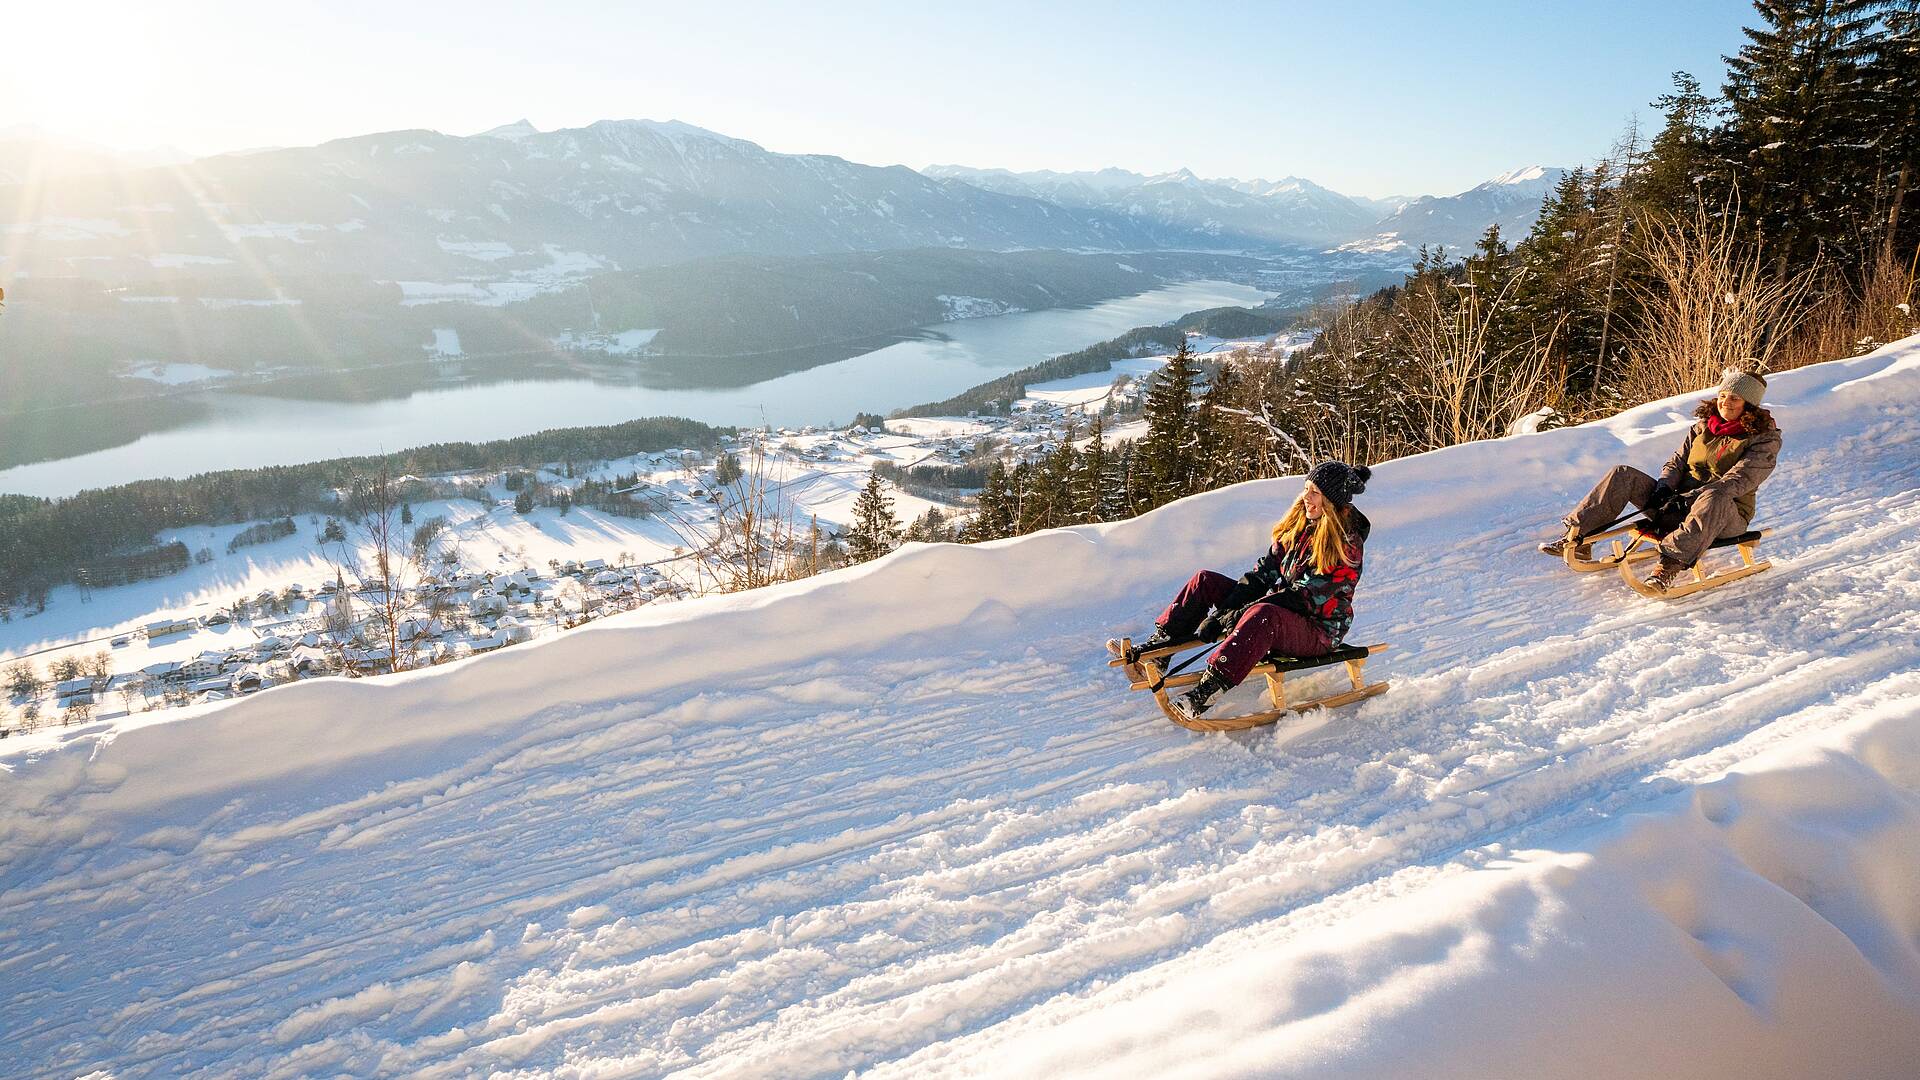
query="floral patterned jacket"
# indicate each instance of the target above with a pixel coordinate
(1286, 576)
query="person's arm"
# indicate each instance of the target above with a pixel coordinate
(1755, 465)
(1675, 470)
(1255, 583)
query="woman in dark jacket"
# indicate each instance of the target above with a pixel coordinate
(1296, 601)
(1728, 452)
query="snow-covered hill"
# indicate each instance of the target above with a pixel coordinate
(903, 820)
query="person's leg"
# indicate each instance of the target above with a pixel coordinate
(1713, 516)
(1196, 599)
(1265, 629)
(1177, 623)
(1625, 484)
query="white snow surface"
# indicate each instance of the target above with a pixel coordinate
(169, 374)
(902, 820)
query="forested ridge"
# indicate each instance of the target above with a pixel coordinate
(1763, 227)
(44, 542)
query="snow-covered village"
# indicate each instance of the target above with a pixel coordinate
(271, 602)
(718, 541)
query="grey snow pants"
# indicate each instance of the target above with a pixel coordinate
(1713, 515)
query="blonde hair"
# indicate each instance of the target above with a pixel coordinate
(1329, 537)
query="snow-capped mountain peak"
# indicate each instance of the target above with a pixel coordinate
(1178, 176)
(513, 132)
(1523, 175)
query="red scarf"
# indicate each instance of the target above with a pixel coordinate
(1721, 429)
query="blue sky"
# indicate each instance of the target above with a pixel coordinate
(1370, 99)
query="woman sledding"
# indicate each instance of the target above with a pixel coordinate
(1705, 491)
(1296, 601)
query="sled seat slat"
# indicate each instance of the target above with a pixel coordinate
(1645, 530)
(1304, 663)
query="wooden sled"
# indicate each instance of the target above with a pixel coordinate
(1640, 546)
(1620, 557)
(1150, 667)
(1625, 557)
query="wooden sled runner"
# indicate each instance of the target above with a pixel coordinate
(1151, 666)
(1640, 547)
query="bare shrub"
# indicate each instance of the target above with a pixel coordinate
(753, 539)
(1854, 320)
(1461, 387)
(1708, 302)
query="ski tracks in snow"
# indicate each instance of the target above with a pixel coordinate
(830, 869)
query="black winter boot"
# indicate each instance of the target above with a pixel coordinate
(1199, 699)
(1558, 548)
(1158, 639)
(1665, 575)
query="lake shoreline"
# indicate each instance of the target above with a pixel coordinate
(209, 429)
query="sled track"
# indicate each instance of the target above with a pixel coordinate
(806, 872)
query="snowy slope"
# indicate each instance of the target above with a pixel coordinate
(902, 819)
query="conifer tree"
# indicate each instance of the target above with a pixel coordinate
(1090, 480)
(1893, 82)
(1052, 495)
(1220, 434)
(1020, 485)
(930, 528)
(1799, 118)
(1682, 168)
(993, 517)
(1167, 453)
(1556, 302)
(875, 531)
(1130, 483)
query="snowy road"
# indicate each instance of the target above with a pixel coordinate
(903, 818)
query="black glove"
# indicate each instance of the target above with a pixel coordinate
(1662, 491)
(1212, 628)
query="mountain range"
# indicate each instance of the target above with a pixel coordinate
(364, 252)
(518, 203)
(1510, 200)
(1290, 211)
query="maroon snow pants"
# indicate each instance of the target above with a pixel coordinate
(1263, 628)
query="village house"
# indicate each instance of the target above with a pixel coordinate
(167, 627)
(67, 690)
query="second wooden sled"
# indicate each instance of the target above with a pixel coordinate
(1749, 565)
(1150, 667)
(1640, 547)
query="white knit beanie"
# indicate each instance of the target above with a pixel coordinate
(1749, 386)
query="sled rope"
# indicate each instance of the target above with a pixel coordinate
(1172, 671)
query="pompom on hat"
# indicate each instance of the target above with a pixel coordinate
(1339, 481)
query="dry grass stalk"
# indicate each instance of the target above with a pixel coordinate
(1708, 303)
(753, 539)
(1464, 389)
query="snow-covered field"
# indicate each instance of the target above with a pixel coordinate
(815, 476)
(177, 374)
(903, 821)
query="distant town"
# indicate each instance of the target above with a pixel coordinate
(503, 571)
